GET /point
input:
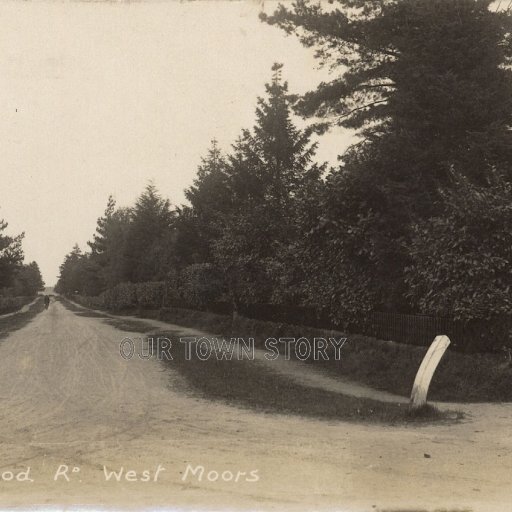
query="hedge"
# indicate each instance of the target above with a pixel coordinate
(125, 296)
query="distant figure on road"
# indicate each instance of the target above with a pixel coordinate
(46, 301)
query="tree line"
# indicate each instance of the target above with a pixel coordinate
(415, 218)
(17, 279)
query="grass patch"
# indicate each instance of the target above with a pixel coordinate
(425, 412)
(201, 320)
(17, 321)
(123, 324)
(392, 367)
(249, 384)
(383, 365)
(70, 306)
(129, 325)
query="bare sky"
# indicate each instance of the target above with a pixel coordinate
(98, 98)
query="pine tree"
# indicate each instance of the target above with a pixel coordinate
(71, 279)
(197, 225)
(267, 171)
(148, 237)
(106, 261)
(11, 255)
(28, 280)
(427, 83)
(99, 244)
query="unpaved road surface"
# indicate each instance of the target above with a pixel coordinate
(68, 397)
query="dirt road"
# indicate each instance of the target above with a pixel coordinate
(68, 398)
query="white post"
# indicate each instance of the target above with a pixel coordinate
(426, 371)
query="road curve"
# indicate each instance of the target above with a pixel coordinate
(68, 398)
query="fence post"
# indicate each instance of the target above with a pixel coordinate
(426, 371)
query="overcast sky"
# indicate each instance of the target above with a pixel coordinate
(98, 98)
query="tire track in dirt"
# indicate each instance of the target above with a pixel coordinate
(67, 396)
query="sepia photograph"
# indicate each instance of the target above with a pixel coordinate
(256, 255)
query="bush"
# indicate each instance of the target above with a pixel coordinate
(122, 296)
(201, 284)
(461, 260)
(90, 302)
(150, 295)
(126, 296)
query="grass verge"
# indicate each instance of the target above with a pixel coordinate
(383, 365)
(123, 324)
(17, 321)
(249, 384)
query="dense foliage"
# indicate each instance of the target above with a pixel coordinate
(461, 257)
(11, 255)
(427, 86)
(17, 279)
(415, 218)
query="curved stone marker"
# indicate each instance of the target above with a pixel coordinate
(426, 371)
